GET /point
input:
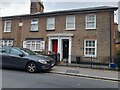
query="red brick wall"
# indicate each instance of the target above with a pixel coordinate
(101, 33)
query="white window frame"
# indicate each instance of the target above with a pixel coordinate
(86, 21)
(7, 26)
(87, 55)
(6, 43)
(34, 23)
(68, 23)
(50, 23)
(30, 43)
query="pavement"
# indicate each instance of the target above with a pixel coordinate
(87, 72)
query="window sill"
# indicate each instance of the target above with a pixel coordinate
(89, 57)
(34, 31)
(90, 28)
(72, 29)
(50, 30)
(6, 32)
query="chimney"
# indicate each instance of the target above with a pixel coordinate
(36, 6)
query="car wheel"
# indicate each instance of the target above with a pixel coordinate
(31, 67)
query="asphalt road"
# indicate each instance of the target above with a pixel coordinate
(22, 79)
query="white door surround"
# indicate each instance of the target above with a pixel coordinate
(60, 37)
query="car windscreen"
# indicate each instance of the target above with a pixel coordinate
(28, 52)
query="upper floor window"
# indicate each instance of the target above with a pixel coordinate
(90, 48)
(34, 25)
(91, 21)
(51, 23)
(7, 26)
(70, 22)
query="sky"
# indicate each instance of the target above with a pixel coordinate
(19, 7)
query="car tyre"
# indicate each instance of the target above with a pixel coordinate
(31, 67)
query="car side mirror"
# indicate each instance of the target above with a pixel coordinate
(21, 55)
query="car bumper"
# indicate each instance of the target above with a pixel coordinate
(45, 66)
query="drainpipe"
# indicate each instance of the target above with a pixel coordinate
(110, 39)
(19, 33)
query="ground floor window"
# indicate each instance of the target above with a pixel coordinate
(35, 45)
(6, 43)
(90, 48)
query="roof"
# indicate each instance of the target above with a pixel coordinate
(71, 11)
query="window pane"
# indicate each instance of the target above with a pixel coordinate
(70, 19)
(33, 47)
(10, 43)
(87, 43)
(90, 21)
(7, 27)
(50, 23)
(90, 51)
(90, 48)
(34, 25)
(90, 18)
(28, 46)
(28, 42)
(87, 51)
(90, 24)
(34, 21)
(70, 22)
(7, 43)
(36, 45)
(50, 26)
(33, 42)
(70, 25)
(38, 42)
(90, 43)
(8, 24)
(93, 43)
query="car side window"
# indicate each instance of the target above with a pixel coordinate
(1, 50)
(14, 51)
(4, 50)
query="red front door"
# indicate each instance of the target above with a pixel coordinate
(54, 46)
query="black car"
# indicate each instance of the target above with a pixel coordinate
(23, 58)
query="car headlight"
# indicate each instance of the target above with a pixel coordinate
(43, 61)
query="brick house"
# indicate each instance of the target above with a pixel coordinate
(87, 32)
